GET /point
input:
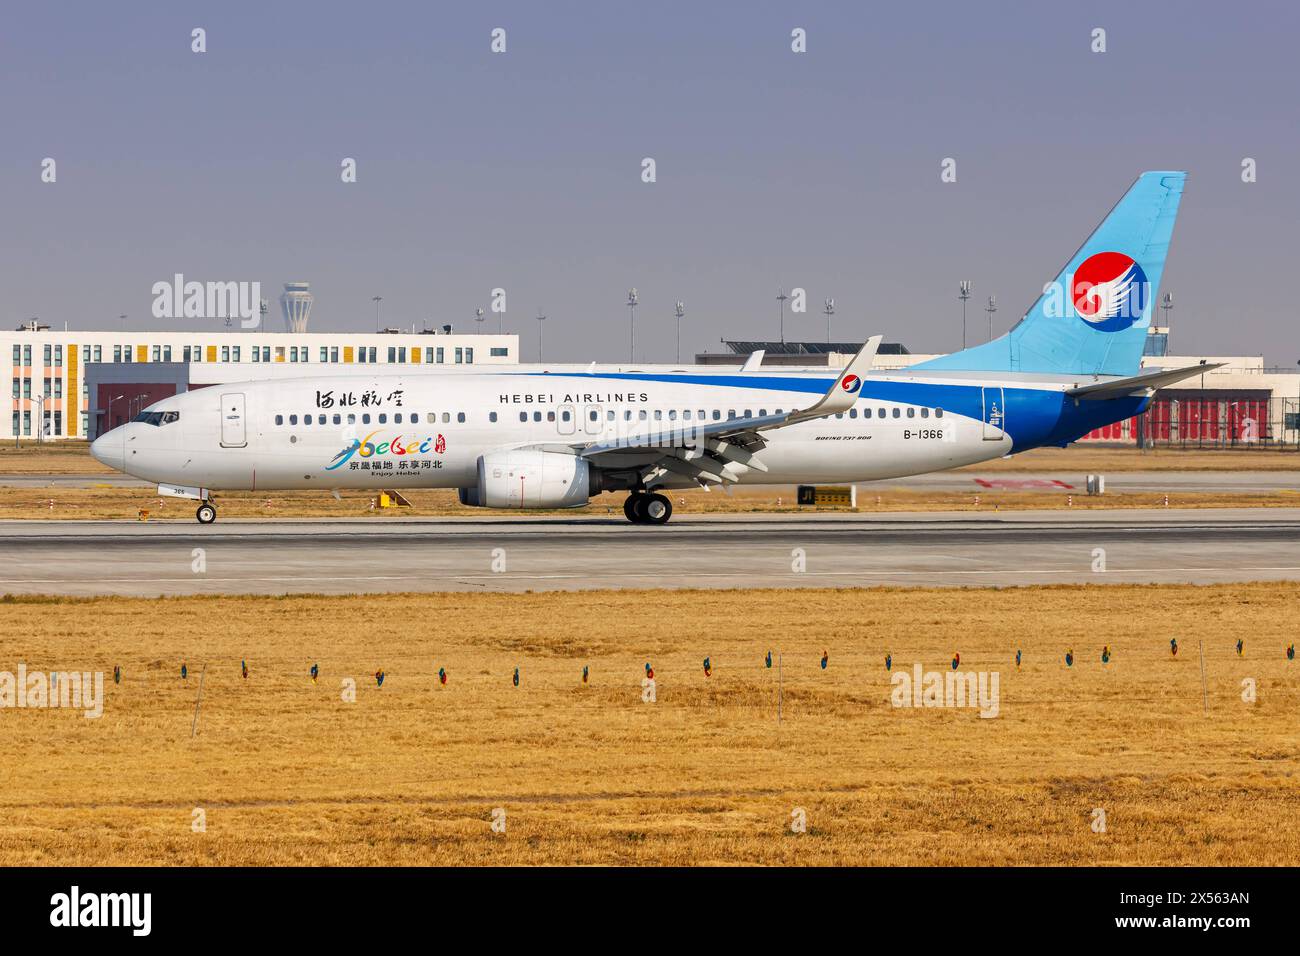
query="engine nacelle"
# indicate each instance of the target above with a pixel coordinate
(529, 479)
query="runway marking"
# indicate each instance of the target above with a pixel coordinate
(519, 576)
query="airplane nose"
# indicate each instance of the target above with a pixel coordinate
(108, 450)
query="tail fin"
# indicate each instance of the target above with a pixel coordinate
(1093, 319)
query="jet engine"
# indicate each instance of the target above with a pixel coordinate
(526, 478)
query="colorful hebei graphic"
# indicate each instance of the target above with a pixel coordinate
(396, 447)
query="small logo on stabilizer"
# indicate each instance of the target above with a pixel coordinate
(1109, 291)
(851, 384)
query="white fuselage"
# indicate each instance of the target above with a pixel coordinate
(425, 430)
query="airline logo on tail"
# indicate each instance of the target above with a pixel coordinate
(851, 384)
(1109, 291)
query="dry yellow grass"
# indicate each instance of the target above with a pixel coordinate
(287, 772)
(50, 458)
(1087, 459)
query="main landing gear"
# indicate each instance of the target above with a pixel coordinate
(643, 508)
(206, 513)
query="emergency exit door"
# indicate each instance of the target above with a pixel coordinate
(233, 433)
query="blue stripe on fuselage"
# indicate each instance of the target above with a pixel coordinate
(1033, 416)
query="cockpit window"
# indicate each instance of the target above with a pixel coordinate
(157, 418)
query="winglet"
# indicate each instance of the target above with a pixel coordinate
(754, 361)
(845, 391)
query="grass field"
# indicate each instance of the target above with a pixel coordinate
(108, 501)
(288, 772)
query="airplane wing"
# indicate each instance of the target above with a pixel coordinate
(720, 452)
(1146, 382)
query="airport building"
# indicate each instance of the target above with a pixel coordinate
(78, 384)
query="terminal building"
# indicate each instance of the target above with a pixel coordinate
(79, 384)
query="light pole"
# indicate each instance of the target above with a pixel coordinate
(829, 309)
(541, 317)
(632, 300)
(108, 415)
(479, 317)
(1167, 303)
(780, 298)
(376, 299)
(990, 309)
(40, 421)
(679, 310)
(963, 293)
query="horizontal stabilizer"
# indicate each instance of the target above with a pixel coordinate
(1146, 382)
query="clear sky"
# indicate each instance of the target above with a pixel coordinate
(522, 170)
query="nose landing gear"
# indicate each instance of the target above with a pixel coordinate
(642, 508)
(206, 513)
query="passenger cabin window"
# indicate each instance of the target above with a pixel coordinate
(492, 416)
(279, 419)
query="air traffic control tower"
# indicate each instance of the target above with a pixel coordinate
(295, 303)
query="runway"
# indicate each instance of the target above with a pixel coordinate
(515, 554)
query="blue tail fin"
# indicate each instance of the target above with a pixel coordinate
(1093, 319)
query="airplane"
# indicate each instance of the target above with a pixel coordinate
(529, 437)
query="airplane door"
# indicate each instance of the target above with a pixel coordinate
(565, 422)
(232, 420)
(591, 420)
(994, 414)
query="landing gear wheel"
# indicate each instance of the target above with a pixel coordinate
(655, 509)
(630, 506)
(206, 513)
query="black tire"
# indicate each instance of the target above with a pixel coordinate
(655, 509)
(630, 507)
(206, 513)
